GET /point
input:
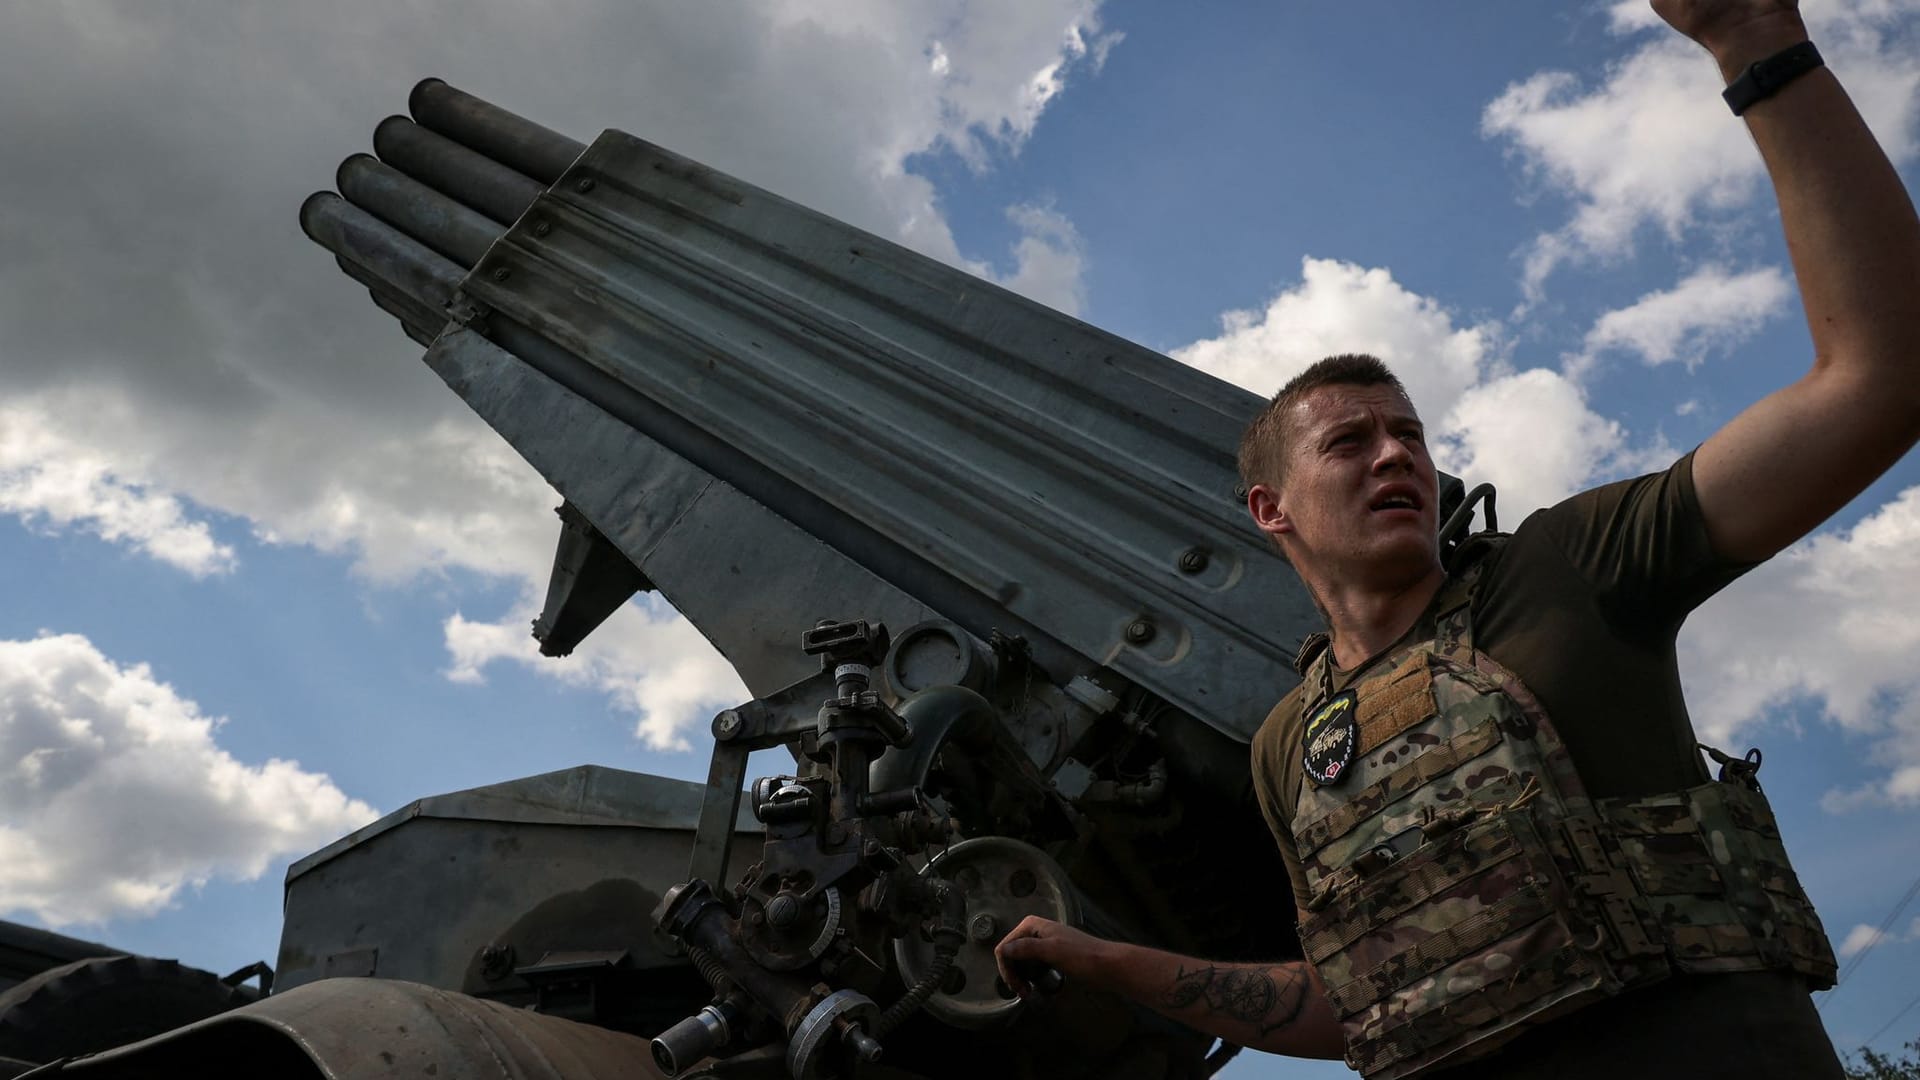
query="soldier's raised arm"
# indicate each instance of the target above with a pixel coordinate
(1788, 462)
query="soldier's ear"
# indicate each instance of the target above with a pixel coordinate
(1263, 504)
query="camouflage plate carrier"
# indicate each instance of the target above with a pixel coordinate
(1464, 885)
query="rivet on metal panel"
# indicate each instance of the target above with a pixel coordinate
(585, 185)
(501, 273)
(542, 228)
(1193, 560)
(1140, 631)
(1239, 493)
(727, 725)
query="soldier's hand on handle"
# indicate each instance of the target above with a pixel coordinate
(1039, 944)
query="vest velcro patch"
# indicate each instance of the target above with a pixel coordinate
(1395, 701)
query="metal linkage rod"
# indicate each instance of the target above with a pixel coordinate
(409, 310)
(402, 311)
(464, 175)
(401, 263)
(442, 224)
(511, 140)
(419, 321)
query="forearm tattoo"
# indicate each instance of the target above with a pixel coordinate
(1251, 995)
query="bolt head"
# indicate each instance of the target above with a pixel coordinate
(983, 928)
(1140, 631)
(501, 273)
(727, 724)
(782, 910)
(496, 962)
(585, 185)
(542, 228)
(1193, 560)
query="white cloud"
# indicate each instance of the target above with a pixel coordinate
(1863, 937)
(1860, 937)
(453, 495)
(1049, 260)
(47, 477)
(1000, 61)
(439, 493)
(1632, 16)
(114, 795)
(649, 661)
(1533, 435)
(1834, 620)
(1340, 307)
(1530, 432)
(1711, 310)
(1653, 145)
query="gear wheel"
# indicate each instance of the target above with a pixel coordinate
(102, 1002)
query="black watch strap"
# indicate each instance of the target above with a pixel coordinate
(1765, 78)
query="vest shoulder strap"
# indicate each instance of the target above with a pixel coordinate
(1453, 606)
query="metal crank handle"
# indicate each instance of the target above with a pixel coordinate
(1042, 977)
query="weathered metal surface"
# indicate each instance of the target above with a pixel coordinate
(455, 231)
(373, 1029)
(470, 178)
(26, 951)
(591, 578)
(419, 320)
(566, 860)
(747, 577)
(864, 392)
(393, 258)
(512, 140)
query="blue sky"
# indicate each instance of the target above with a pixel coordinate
(217, 461)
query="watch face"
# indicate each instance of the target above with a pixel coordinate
(1330, 740)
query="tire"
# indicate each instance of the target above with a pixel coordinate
(103, 1002)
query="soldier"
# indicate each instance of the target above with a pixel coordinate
(1507, 856)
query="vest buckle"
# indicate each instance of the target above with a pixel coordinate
(1744, 769)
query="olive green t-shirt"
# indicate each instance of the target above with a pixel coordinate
(1584, 603)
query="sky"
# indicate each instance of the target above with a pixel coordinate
(263, 578)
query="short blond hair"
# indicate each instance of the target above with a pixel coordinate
(1263, 446)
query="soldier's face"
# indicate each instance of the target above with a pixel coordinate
(1361, 497)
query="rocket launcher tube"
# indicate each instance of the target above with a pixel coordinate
(398, 261)
(456, 171)
(512, 140)
(442, 224)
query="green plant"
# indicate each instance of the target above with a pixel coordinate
(1873, 1066)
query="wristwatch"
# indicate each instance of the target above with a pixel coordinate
(1765, 78)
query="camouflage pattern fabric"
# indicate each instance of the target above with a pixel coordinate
(1466, 888)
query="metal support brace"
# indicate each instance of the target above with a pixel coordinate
(766, 722)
